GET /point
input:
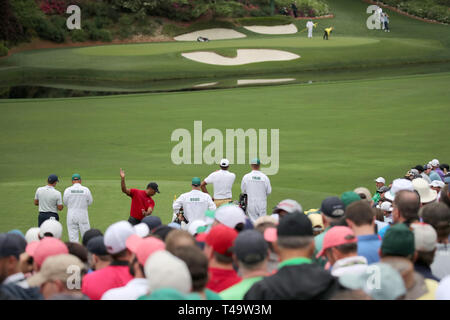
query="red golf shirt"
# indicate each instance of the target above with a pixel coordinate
(95, 284)
(140, 200)
(221, 279)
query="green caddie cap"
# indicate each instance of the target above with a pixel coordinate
(398, 241)
(349, 197)
(255, 161)
(196, 181)
(76, 176)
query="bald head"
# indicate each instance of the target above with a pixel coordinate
(406, 205)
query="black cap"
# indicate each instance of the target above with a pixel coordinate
(152, 222)
(97, 246)
(11, 245)
(52, 178)
(332, 207)
(295, 224)
(162, 232)
(88, 235)
(154, 186)
(250, 247)
(419, 168)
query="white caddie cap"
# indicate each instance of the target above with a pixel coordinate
(194, 225)
(142, 230)
(435, 162)
(32, 234)
(380, 179)
(399, 185)
(230, 215)
(437, 184)
(224, 163)
(116, 236)
(51, 226)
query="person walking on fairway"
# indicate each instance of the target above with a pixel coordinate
(49, 200)
(222, 181)
(142, 204)
(77, 199)
(194, 203)
(257, 187)
(327, 33)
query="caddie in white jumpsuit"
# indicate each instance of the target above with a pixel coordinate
(194, 203)
(310, 26)
(77, 198)
(257, 187)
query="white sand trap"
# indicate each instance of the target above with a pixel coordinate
(285, 29)
(244, 56)
(256, 81)
(206, 84)
(211, 34)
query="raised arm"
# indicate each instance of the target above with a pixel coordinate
(122, 183)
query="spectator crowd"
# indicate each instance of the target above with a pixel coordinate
(392, 244)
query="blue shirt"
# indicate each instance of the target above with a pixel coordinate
(382, 232)
(368, 247)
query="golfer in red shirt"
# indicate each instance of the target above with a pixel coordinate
(142, 204)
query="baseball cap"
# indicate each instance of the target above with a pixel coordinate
(45, 248)
(380, 180)
(386, 206)
(437, 184)
(221, 239)
(316, 221)
(425, 237)
(398, 241)
(88, 235)
(224, 163)
(52, 178)
(426, 166)
(116, 236)
(162, 231)
(419, 168)
(76, 176)
(196, 181)
(174, 225)
(96, 245)
(230, 215)
(11, 245)
(337, 236)
(142, 229)
(164, 270)
(435, 162)
(55, 268)
(270, 234)
(383, 189)
(391, 285)
(294, 224)
(32, 234)
(255, 161)
(349, 197)
(154, 186)
(265, 219)
(425, 192)
(250, 247)
(398, 185)
(144, 247)
(288, 205)
(152, 222)
(332, 207)
(51, 226)
(194, 225)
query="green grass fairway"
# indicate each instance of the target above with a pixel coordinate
(333, 137)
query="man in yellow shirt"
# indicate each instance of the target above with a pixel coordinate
(327, 33)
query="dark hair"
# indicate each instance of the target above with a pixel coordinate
(347, 248)
(379, 214)
(444, 196)
(119, 255)
(408, 205)
(173, 236)
(197, 264)
(419, 168)
(223, 258)
(438, 216)
(425, 257)
(444, 166)
(360, 213)
(78, 250)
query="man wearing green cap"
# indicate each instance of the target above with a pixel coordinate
(257, 187)
(194, 203)
(77, 199)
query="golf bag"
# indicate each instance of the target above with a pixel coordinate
(179, 217)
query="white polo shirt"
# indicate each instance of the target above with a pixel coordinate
(194, 203)
(77, 197)
(222, 181)
(49, 199)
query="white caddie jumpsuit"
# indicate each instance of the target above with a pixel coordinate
(310, 26)
(77, 199)
(195, 203)
(257, 187)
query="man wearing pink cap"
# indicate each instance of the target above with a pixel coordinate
(142, 249)
(340, 247)
(41, 250)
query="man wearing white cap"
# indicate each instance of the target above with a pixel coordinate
(51, 228)
(194, 203)
(387, 209)
(433, 173)
(222, 181)
(257, 187)
(435, 164)
(77, 199)
(437, 186)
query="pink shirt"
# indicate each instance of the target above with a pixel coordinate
(95, 284)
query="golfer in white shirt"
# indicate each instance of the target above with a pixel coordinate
(49, 200)
(222, 181)
(257, 187)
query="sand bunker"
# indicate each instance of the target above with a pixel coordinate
(256, 81)
(285, 29)
(211, 34)
(244, 56)
(206, 84)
